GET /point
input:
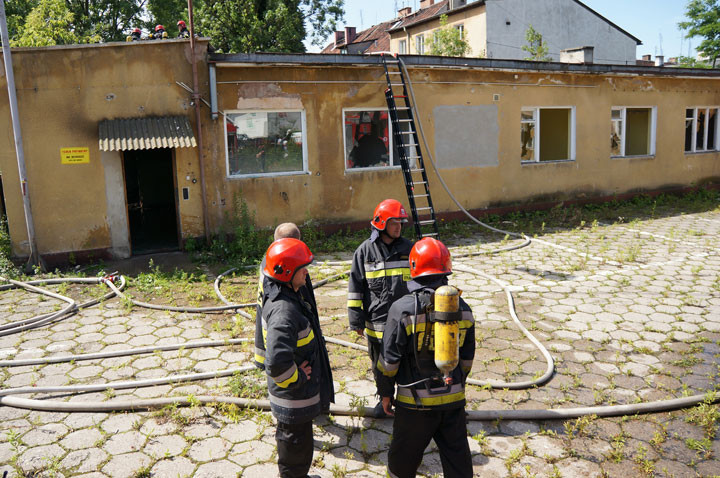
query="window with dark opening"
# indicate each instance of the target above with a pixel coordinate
(632, 131)
(547, 134)
(367, 139)
(701, 129)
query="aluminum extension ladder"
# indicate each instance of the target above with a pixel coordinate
(407, 144)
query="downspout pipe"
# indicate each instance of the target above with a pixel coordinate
(213, 92)
(196, 102)
(34, 259)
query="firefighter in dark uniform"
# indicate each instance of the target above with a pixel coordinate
(300, 384)
(160, 33)
(286, 229)
(378, 277)
(426, 407)
(135, 35)
(183, 32)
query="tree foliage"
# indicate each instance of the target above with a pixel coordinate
(704, 21)
(536, 47)
(449, 40)
(690, 62)
(232, 25)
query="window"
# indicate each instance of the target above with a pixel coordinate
(420, 44)
(265, 143)
(547, 134)
(632, 131)
(367, 139)
(462, 30)
(402, 47)
(701, 129)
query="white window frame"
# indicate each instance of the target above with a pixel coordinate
(461, 27)
(420, 44)
(536, 120)
(391, 146)
(707, 109)
(402, 47)
(274, 174)
(653, 129)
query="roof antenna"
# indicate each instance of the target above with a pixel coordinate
(361, 22)
(661, 50)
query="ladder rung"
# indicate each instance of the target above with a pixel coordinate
(419, 170)
(412, 157)
(423, 208)
(394, 73)
(419, 182)
(425, 223)
(397, 84)
(402, 108)
(410, 144)
(404, 121)
(420, 195)
(407, 132)
(430, 234)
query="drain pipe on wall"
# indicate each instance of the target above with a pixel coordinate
(34, 259)
(196, 102)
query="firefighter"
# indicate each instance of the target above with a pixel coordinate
(427, 406)
(183, 32)
(160, 33)
(296, 362)
(378, 277)
(136, 35)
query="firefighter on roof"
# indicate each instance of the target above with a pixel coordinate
(378, 277)
(136, 35)
(428, 350)
(183, 32)
(160, 33)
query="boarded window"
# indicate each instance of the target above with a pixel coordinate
(265, 142)
(466, 136)
(547, 134)
(701, 129)
(632, 132)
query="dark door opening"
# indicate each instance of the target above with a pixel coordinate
(150, 189)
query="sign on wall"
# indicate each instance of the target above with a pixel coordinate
(74, 155)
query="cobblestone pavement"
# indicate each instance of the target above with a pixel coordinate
(630, 312)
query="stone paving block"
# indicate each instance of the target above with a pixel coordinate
(83, 461)
(369, 441)
(209, 449)
(124, 442)
(225, 468)
(239, 432)
(177, 467)
(249, 453)
(126, 465)
(85, 438)
(165, 446)
(45, 434)
(39, 457)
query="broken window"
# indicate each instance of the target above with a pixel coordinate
(701, 129)
(367, 139)
(632, 131)
(420, 44)
(547, 134)
(265, 142)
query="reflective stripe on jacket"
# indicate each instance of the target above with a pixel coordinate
(292, 335)
(406, 321)
(378, 277)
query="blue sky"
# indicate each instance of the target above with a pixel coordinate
(644, 19)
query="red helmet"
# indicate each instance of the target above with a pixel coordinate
(136, 30)
(181, 23)
(159, 27)
(386, 210)
(429, 257)
(285, 257)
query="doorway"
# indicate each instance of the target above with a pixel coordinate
(151, 200)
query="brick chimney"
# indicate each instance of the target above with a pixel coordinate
(350, 35)
(404, 12)
(339, 37)
(426, 3)
(647, 57)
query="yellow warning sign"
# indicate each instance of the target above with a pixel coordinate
(74, 155)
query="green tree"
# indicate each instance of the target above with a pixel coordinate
(16, 12)
(449, 40)
(267, 25)
(536, 47)
(690, 62)
(49, 23)
(108, 20)
(704, 21)
(166, 13)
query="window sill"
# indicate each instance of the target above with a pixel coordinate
(640, 156)
(555, 161)
(695, 153)
(268, 175)
(373, 168)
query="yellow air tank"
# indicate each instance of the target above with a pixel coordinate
(447, 330)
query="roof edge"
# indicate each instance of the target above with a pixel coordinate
(468, 6)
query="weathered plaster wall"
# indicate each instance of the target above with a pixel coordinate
(329, 194)
(63, 93)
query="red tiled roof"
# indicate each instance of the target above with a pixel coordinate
(424, 14)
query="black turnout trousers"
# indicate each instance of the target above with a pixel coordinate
(412, 431)
(295, 449)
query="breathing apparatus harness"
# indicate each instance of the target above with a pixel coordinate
(437, 349)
